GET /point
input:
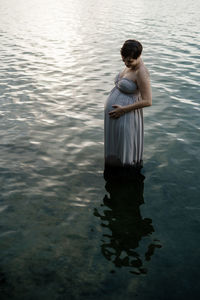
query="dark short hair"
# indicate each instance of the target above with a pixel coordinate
(131, 48)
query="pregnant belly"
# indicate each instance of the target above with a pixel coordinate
(119, 98)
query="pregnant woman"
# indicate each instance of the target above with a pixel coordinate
(123, 120)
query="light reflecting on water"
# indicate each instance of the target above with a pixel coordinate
(58, 63)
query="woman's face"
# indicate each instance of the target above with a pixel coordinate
(131, 62)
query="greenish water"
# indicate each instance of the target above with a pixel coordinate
(64, 232)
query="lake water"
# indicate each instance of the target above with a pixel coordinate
(65, 233)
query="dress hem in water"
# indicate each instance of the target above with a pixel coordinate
(122, 172)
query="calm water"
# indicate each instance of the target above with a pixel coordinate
(65, 233)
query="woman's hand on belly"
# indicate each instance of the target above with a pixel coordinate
(117, 112)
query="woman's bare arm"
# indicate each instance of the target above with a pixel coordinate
(144, 85)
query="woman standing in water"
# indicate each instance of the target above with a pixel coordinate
(123, 122)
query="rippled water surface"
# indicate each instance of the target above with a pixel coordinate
(65, 233)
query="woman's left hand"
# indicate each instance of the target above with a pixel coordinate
(117, 112)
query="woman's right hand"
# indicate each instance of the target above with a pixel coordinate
(117, 112)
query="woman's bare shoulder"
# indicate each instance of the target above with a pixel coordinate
(143, 71)
(143, 74)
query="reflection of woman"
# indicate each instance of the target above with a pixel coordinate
(126, 225)
(123, 125)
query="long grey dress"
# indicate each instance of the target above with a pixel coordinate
(123, 137)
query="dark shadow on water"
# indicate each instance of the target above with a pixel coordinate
(120, 213)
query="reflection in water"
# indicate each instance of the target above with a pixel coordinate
(121, 215)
